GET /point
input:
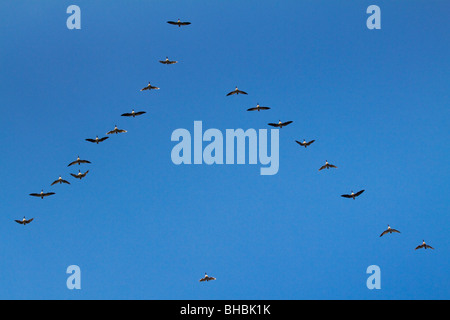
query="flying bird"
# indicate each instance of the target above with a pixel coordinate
(327, 166)
(116, 130)
(42, 194)
(179, 23)
(60, 181)
(167, 61)
(352, 195)
(424, 246)
(79, 175)
(150, 87)
(78, 161)
(389, 230)
(133, 114)
(304, 143)
(206, 278)
(258, 108)
(24, 221)
(97, 140)
(280, 124)
(236, 91)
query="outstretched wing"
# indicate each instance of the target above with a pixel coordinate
(74, 175)
(332, 166)
(322, 167)
(359, 192)
(429, 247)
(274, 124)
(146, 88)
(35, 194)
(172, 22)
(384, 232)
(126, 115)
(28, 221)
(242, 92)
(202, 279)
(286, 123)
(184, 23)
(91, 140)
(103, 139)
(140, 112)
(19, 221)
(264, 108)
(65, 181)
(111, 132)
(394, 230)
(252, 109)
(72, 163)
(55, 182)
(231, 93)
(308, 143)
(420, 247)
(346, 196)
(301, 143)
(48, 194)
(84, 161)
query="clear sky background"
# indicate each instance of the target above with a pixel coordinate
(140, 227)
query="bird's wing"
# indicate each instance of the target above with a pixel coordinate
(286, 123)
(359, 192)
(140, 112)
(202, 279)
(103, 139)
(48, 194)
(300, 143)
(152, 87)
(252, 109)
(274, 124)
(231, 93)
(84, 161)
(384, 232)
(121, 131)
(419, 247)
(35, 194)
(126, 115)
(346, 196)
(312, 141)
(65, 181)
(28, 221)
(74, 175)
(185, 23)
(111, 132)
(332, 166)
(429, 247)
(90, 140)
(172, 22)
(264, 108)
(19, 221)
(72, 163)
(54, 182)
(146, 88)
(394, 230)
(242, 92)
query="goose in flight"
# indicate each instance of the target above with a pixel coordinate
(79, 175)
(116, 130)
(179, 23)
(167, 61)
(42, 194)
(133, 114)
(24, 221)
(236, 91)
(327, 166)
(60, 181)
(78, 161)
(150, 87)
(352, 195)
(206, 278)
(258, 108)
(304, 143)
(97, 140)
(280, 124)
(389, 230)
(424, 246)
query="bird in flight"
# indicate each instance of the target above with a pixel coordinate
(424, 246)
(60, 181)
(304, 143)
(150, 87)
(133, 114)
(167, 61)
(206, 278)
(97, 140)
(179, 23)
(327, 166)
(24, 221)
(42, 194)
(352, 195)
(79, 175)
(236, 91)
(78, 161)
(389, 230)
(258, 108)
(116, 130)
(280, 124)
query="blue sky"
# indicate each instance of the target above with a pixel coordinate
(140, 227)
